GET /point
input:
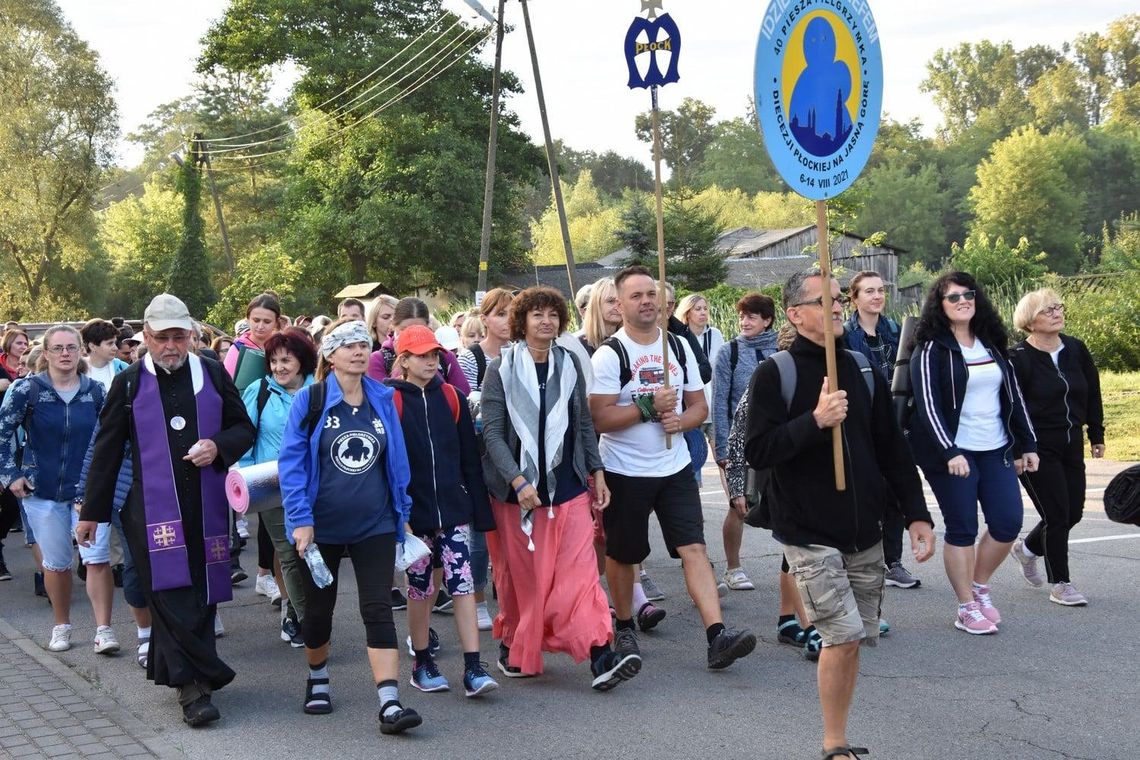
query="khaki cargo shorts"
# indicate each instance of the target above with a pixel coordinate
(842, 593)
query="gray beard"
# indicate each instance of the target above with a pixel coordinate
(168, 368)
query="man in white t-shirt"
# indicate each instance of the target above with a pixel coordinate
(101, 345)
(634, 411)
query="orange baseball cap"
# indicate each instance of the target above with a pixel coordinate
(418, 340)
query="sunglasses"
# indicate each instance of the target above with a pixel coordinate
(956, 297)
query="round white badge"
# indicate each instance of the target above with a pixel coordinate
(178, 423)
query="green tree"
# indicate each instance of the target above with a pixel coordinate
(56, 136)
(692, 261)
(909, 206)
(189, 275)
(1031, 186)
(1058, 100)
(395, 197)
(268, 268)
(973, 78)
(735, 158)
(685, 135)
(1120, 246)
(995, 263)
(140, 236)
(592, 224)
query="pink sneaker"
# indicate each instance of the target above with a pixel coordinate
(971, 620)
(982, 597)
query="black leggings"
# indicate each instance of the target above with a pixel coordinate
(1057, 489)
(373, 561)
(264, 546)
(9, 512)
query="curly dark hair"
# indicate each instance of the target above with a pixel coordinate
(985, 324)
(536, 298)
(294, 340)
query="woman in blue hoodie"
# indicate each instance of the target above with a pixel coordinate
(449, 501)
(292, 361)
(344, 477)
(58, 409)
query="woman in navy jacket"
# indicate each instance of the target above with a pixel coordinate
(1062, 390)
(971, 436)
(449, 502)
(344, 478)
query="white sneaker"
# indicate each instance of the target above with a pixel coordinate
(60, 638)
(266, 585)
(243, 528)
(737, 580)
(219, 629)
(105, 641)
(482, 617)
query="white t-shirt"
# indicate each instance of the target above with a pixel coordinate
(980, 426)
(639, 450)
(710, 340)
(104, 374)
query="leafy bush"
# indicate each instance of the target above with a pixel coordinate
(1104, 312)
(995, 263)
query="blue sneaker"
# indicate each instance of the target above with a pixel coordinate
(477, 681)
(884, 627)
(427, 677)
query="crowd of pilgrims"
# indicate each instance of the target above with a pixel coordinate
(515, 450)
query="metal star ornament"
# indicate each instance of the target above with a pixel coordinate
(650, 6)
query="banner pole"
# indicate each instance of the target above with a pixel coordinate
(829, 338)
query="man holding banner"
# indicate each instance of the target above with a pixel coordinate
(186, 424)
(832, 539)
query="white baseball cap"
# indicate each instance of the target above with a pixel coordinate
(167, 312)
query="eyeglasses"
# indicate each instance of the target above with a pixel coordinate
(956, 297)
(842, 300)
(70, 349)
(1057, 308)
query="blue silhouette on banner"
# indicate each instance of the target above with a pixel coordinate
(820, 122)
(670, 43)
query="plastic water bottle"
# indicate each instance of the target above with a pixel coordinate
(322, 576)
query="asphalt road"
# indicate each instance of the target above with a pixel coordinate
(1054, 683)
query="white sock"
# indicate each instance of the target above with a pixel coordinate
(143, 633)
(1026, 552)
(639, 599)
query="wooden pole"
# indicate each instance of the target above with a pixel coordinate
(204, 155)
(551, 158)
(492, 151)
(662, 296)
(829, 338)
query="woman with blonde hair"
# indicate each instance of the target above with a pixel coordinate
(1061, 386)
(379, 319)
(603, 315)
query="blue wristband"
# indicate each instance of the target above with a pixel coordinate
(519, 489)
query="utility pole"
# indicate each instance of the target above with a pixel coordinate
(551, 158)
(202, 156)
(492, 150)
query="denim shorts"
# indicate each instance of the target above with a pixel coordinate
(54, 525)
(99, 553)
(842, 593)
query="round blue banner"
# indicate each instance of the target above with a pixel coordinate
(819, 91)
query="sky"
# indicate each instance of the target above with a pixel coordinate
(149, 48)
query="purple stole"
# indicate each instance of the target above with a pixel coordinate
(166, 540)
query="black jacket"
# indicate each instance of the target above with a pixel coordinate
(446, 486)
(938, 376)
(806, 508)
(1063, 397)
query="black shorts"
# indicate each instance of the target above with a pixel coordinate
(676, 501)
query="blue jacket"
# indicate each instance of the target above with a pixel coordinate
(887, 331)
(58, 435)
(270, 423)
(447, 486)
(298, 462)
(730, 383)
(938, 376)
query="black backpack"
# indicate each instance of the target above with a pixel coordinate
(757, 491)
(480, 363)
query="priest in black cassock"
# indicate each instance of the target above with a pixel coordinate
(186, 424)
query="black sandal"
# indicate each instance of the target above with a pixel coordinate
(319, 703)
(399, 721)
(844, 752)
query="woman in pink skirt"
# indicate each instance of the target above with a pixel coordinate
(541, 452)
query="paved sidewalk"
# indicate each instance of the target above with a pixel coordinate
(49, 711)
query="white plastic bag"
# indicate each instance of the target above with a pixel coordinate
(410, 552)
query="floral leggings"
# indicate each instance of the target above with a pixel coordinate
(450, 549)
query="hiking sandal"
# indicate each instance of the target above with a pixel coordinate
(319, 703)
